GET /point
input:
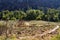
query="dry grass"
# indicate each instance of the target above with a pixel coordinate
(20, 29)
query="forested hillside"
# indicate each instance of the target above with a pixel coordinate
(25, 4)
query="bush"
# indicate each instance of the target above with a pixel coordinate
(31, 14)
(19, 14)
(34, 14)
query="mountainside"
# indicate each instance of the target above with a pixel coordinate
(19, 4)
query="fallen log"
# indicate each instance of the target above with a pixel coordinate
(45, 33)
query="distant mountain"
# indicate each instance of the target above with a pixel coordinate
(24, 4)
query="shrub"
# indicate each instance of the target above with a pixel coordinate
(34, 14)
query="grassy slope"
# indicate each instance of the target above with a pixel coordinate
(33, 30)
(52, 25)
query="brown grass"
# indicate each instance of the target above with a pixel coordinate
(19, 29)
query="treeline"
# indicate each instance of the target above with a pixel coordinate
(31, 14)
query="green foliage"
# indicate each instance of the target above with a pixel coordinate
(5, 14)
(31, 14)
(53, 14)
(57, 37)
(12, 15)
(19, 14)
(34, 14)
